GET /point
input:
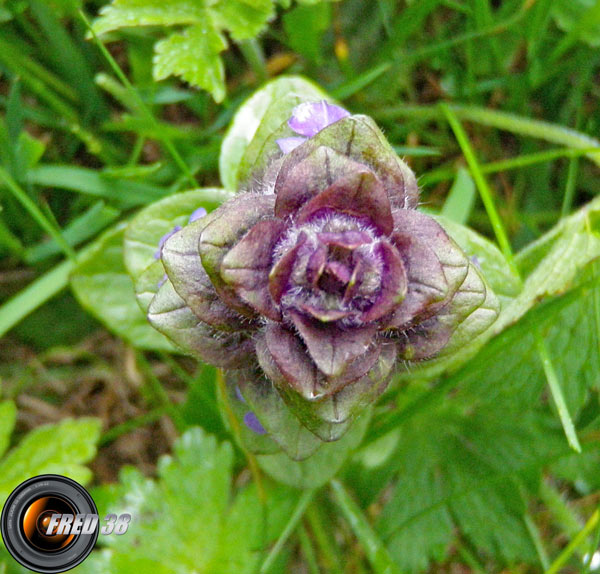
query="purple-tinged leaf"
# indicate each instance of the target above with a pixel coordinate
(247, 265)
(224, 227)
(357, 193)
(169, 314)
(393, 283)
(184, 267)
(332, 348)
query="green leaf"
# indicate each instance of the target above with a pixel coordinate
(247, 121)
(192, 53)
(187, 520)
(322, 465)
(194, 56)
(305, 26)
(554, 262)
(101, 284)
(62, 448)
(459, 465)
(243, 18)
(580, 18)
(462, 459)
(461, 199)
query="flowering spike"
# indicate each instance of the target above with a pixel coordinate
(311, 289)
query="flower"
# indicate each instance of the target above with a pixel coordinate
(313, 287)
(307, 120)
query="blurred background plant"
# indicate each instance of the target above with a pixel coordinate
(463, 468)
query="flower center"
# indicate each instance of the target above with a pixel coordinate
(336, 269)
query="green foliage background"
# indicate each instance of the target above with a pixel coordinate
(486, 460)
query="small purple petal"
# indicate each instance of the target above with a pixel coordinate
(286, 145)
(198, 214)
(252, 422)
(239, 395)
(163, 240)
(162, 281)
(309, 118)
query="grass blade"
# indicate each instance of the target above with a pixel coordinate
(574, 544)
(557, 394)
(506, 121)
(376, 552)
(34, 295)
(304, 501)
(484, 190)
(36, 213)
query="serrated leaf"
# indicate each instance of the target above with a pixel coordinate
(508, 369)
(62, 448)
(248, 118)
(103, 287)
(456, 469)
(192, 53)
(243, 18)
(463, 460)
(187, 519)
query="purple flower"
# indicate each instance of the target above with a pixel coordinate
(252, 422)
(311, 290)
(307, 120)
(163, 240)
(197, 214)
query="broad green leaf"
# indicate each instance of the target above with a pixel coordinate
(555, 261)
(580, 18)
(509, 370)
(193, 52)
(101, 284)
(461, 199)
(188, 519)
(249, 116)
(145, 230)
(322, 465)
(61, 448)
(462, 458)
(305, 26)
(462, 466)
